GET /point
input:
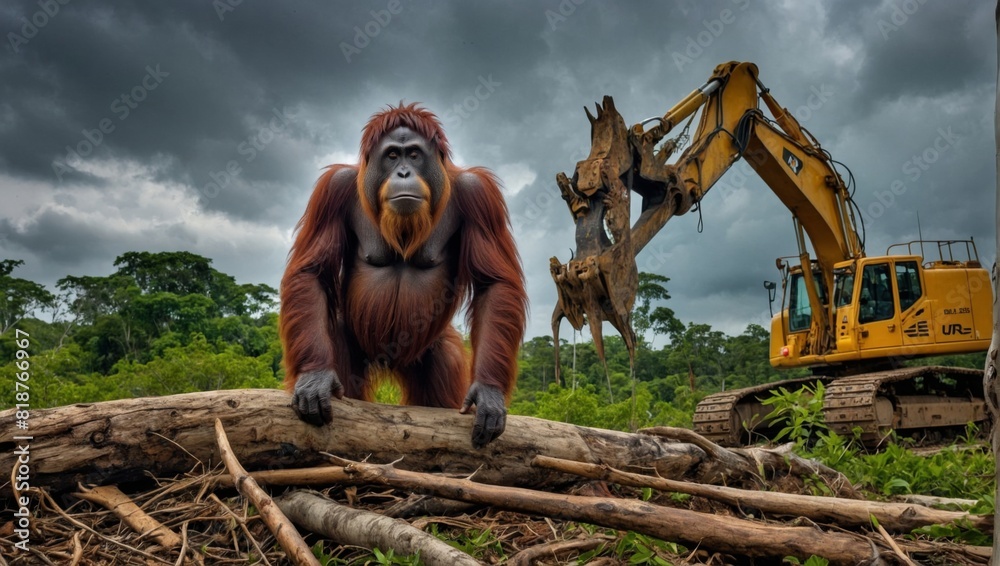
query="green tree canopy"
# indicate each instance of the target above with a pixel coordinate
(153, 295)
(646, 316)
(19, 297)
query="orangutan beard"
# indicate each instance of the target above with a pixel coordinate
(405, 233)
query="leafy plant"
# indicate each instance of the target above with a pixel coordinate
(677, 497)
(390, 559)
(647, 493)
(811, 561)
(388, 392)
(961, 532)
(641, 549)
(800, 412)
(476, 543)
(320, 553)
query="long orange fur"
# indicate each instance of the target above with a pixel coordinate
(319, 333)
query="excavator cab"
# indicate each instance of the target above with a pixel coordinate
(887, 309)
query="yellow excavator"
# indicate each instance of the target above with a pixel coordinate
(853, 319)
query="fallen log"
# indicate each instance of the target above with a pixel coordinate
(756, 457)
(127, 440)
(369, 530)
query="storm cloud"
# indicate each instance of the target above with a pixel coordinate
(202, 125)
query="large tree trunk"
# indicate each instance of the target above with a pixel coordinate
(123, 441)
(990, 377)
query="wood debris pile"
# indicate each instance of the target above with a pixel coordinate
(544, 493)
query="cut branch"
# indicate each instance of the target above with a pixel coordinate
(111, 498)
(898, 517)
(729, 535)
(289, 539)
(368, 530)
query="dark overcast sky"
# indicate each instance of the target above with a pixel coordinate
(183, 89)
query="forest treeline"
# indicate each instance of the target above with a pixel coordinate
(169, 322)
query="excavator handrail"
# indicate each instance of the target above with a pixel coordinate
(971, 253)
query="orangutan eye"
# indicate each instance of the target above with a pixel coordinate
(393, 154)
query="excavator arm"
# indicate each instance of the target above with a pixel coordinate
(788, 159)
(732, 126)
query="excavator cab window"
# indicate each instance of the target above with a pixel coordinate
(908, 283)
(876, 294)
(799, 310)
(843, 287)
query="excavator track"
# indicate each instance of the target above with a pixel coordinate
(919, 399)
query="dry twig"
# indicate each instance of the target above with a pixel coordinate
(184, 544)
(77, 550)
(556, 550)
(243, 525)
(892, 544)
